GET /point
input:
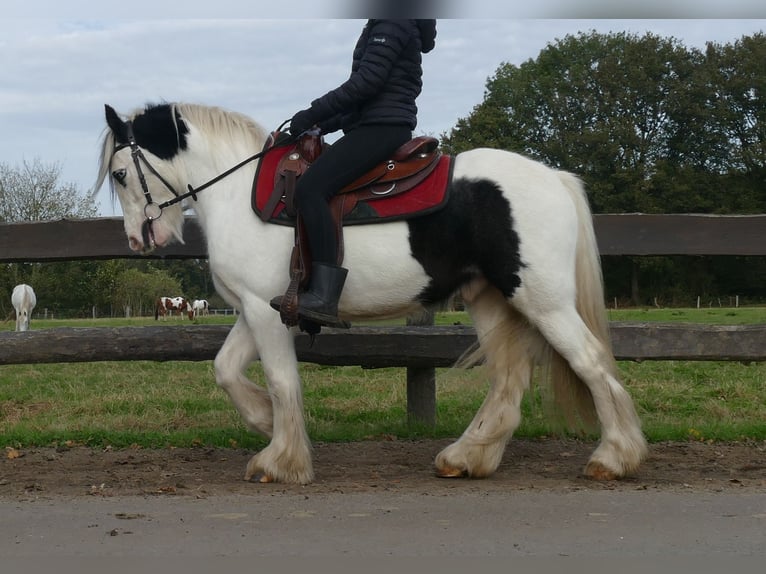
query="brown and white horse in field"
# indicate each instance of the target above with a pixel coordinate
(166, 305)
(24, 300)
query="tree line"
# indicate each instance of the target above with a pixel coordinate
(649, 124)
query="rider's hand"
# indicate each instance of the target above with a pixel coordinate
(301, 122)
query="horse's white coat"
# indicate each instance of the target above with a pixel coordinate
(556, 318)
(200, 307)
(24, 300)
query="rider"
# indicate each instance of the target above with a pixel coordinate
(375, 108)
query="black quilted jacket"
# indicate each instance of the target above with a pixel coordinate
(386, 78)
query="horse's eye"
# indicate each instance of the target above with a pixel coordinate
(119, 175)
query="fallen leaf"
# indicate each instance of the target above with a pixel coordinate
(12, 453)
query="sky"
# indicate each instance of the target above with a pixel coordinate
(58, 71)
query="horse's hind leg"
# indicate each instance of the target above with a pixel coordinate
(622, 446)
(507, 344)
(251, 401)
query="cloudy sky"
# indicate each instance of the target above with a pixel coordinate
(57, 72)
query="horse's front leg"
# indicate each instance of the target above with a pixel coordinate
(251, 401)
(287, 458)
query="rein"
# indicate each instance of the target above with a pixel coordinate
(152, 210)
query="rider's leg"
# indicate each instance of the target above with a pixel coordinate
(351, 156)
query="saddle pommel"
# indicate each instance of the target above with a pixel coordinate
(309, 147)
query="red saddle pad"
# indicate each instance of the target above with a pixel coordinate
(428, 196)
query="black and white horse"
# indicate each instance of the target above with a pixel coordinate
(200, 308)
(515, 240)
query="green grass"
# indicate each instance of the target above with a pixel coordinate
(177, 403)
(713, 315)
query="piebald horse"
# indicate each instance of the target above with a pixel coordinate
(200, 308)
(165, 305)
(515, 239)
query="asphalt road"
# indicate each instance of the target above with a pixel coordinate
(579, 523)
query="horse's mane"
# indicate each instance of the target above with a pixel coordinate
(215, 122)
(219, 123)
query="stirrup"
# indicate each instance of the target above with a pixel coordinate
(323, 320)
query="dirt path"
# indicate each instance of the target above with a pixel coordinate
(364, 467)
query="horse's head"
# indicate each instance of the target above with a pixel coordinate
(140, 158)
(23, 320)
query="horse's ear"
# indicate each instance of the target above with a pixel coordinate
(116, 124)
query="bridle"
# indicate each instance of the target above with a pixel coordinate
(153, 210)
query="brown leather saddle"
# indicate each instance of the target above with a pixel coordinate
(407, 167)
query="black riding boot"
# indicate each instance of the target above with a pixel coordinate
(319, 303)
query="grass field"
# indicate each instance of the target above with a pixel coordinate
(178, 403)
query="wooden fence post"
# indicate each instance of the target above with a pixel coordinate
(421, 382)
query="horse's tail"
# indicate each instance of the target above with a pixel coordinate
(157, 309)
(571, 395)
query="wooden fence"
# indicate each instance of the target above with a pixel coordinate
(418, 348)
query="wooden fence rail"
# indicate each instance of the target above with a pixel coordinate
(369, 347)
(418, 348)
(617, 234)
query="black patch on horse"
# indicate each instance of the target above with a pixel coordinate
(472, 235)
(155, 130)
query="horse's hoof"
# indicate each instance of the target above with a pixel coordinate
(451, 472)
(260, 478)
(254, 473)
(597, 471)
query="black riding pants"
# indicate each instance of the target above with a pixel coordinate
(351, 156)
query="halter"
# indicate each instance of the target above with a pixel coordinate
(152, 210)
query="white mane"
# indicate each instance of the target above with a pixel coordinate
(223, 124)
(217, 124)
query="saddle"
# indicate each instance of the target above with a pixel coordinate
(367, 199)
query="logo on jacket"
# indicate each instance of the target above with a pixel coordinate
(380, 39)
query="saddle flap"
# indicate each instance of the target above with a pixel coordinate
(286, 168)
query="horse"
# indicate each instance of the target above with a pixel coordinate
(24, 300)
(200, 307)
(165, 305)
(515, 239)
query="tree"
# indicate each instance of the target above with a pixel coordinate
(737, 100)
(606, 107)
(32, 192)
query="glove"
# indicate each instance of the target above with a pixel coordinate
(301, 122)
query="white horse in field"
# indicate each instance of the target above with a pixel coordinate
(515, 239)
(24, 300)
(200, 308)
